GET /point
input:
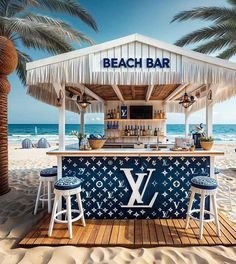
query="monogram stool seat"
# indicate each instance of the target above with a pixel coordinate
(65, 187)
(205, 186)
(47, 178)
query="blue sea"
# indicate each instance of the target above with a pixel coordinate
(17, 132)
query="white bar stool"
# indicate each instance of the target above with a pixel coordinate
(65, 187)
(46, 180)
(204, 186)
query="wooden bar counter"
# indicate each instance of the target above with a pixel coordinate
(120, 183)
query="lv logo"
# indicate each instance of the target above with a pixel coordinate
(137, 196)
(121, 184)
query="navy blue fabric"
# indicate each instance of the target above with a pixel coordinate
(67, 183)
(106, 190)
(204, 182)
(49, 172)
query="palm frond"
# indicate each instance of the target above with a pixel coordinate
(217, 14)
(60, 27)
(23, 58)
(10, 8)
(228, 53)
(70, 7)
(232, 2)
(35, 35)
(206, 33)
(215, 45)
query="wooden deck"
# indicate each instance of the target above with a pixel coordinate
(131, 233)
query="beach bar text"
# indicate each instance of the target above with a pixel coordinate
(136, 63)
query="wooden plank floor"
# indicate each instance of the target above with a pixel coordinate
(132, 233)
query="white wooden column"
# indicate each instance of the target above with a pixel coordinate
(209, 114)
(62, 120)
(186, 123)
(165, 126)
(82, 127)
(60, 91)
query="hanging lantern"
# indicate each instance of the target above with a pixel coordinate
(83, 103)
(186, 101)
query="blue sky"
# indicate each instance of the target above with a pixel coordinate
(118, 18)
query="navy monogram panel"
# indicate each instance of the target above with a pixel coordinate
(135, 187)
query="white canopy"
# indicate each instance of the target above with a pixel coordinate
(190, 70)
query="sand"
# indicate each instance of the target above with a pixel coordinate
(16, 219)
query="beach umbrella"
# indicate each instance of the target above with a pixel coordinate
(27, 144)
(43, 143)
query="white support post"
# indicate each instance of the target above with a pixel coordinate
(61, 129)
(209, 114)
(164, 127)
(186, 123)
(82, 128)
(62, 120)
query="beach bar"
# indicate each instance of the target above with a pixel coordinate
(135, 81)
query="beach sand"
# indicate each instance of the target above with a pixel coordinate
(16, 219)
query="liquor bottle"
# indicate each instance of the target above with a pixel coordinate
(144, 131)
(114, 113)
(118, 112)
(126, 131)
(135, 131)
(108, 114)
(108, 125)
(128, 134)
(155, 114)
(155, 132)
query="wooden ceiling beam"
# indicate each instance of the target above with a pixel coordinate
(85, 89)
(149, 92)
(176, 91)
(133, 92)
(118, 92)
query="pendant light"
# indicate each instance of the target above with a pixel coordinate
(83, 103)
(186, 101)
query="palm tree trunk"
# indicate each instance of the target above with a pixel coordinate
(4, 90)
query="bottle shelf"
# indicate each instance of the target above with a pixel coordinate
(141, 136)
(134, 120)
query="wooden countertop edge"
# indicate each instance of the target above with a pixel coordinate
(135, 153)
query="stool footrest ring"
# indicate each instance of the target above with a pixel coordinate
(198, 211)
(41, 197)
(66, 221)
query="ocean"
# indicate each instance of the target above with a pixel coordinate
(17, 132)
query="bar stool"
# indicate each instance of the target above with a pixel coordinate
(65, 187)
(47, 177)
(204, 186)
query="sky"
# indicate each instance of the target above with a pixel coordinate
(115, 19)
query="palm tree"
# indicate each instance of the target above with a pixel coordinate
(219, 36)
(20, 23)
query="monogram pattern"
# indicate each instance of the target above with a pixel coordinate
(67, 183)
(136, 187)
(204, 182)
(49, 172)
